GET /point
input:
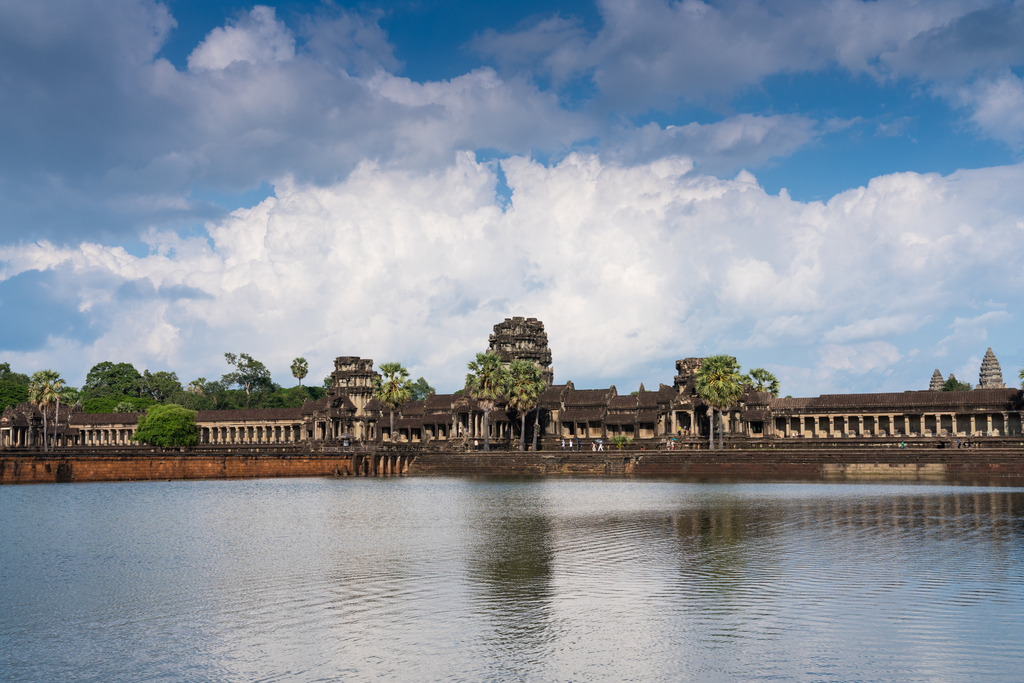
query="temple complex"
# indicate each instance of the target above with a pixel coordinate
(669, 416)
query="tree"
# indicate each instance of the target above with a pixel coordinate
(159, 386)
(392, 389)
(167, 425)
(125, 407)
(420, 390)
(525, 384)
(250, 374)
(197, 386)
(44, 391)
(762, 380)
(11, 394)
(953, 384)
(111, 379)
(328, 382)
(1021, 378)
(7, 375)
(486, 381)
(621, 440)
(300, 368)
(719, 383)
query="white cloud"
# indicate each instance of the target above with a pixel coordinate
(256, 38)
(998, 107)
(628, 266)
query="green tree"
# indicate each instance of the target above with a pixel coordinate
(486, 382)
(391, 388)
(762, 380)
(328, 382)
(111, 379)
(11, 394)
(621, 440)
(44, 390)
(300, 368)
(719, 383)
(525, 384)
(197, 386)
(420, 390)
(167, 425)
(250, 374)
(125, 407)
(1020, 376)
(7, 375)
(159, 386)
(953, 384)
(109, 404)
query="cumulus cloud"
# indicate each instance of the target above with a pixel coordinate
(256, 38)
(629, 266)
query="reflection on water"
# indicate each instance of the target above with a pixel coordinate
(544, 579)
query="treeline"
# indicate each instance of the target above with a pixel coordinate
(119, 387)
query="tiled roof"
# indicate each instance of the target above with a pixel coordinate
(588, 397)
(412, 409)
(251, 414)
(106, 418)
(921, 401)
(626, 402)
(439, 402)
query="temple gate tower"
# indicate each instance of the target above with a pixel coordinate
(991, 376)
(523, 339)
(937, 381)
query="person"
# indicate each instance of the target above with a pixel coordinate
(593, 446)
(958, 443)
(476, 444)
(563, 443)
(600, 444)
(579, 442)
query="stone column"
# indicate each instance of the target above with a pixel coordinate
(1006, 425)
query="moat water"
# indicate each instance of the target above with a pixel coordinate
(510, 580)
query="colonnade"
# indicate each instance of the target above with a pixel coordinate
(386, 465)
(900, 424)
(251, 434)
(112, 436)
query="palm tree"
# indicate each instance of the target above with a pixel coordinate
(44, 389)
(762, 380)
(392, 389)
(719, 383)
(486, 381)
(525, 385)
(1021, 378)
(197, 385)
(300, 368)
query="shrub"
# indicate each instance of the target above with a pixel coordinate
(168, 425)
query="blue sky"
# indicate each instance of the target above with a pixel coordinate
(828, 190)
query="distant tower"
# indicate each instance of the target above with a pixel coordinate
(991, 376)
(937, 381)
(523, 339)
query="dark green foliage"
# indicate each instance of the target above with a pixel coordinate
(168, 425)
(111, 379)
(159, 386)
(107, 404)
(250, 374)
(420, 390)
(7, 375)
(953, 384)
(328, 382)
(316, 393)
(12, 393)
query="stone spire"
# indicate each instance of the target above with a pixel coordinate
(991, 376)
(518, 338)
(937, 381)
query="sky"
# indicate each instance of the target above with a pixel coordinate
(831, 190)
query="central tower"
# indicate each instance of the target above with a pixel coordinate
(523, 339)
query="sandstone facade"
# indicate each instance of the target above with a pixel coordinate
(348, 416)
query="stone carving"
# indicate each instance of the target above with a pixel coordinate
(937, 381)
(991, 376)
(523, 338)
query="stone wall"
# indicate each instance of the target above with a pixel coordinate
(49, 468)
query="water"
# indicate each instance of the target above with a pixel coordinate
(510, 580)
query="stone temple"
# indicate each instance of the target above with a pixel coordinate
(991, 376)
(937, 381)
(671, 415)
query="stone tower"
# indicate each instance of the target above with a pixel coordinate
(991, 376)
(523, 338)
(937, 381)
